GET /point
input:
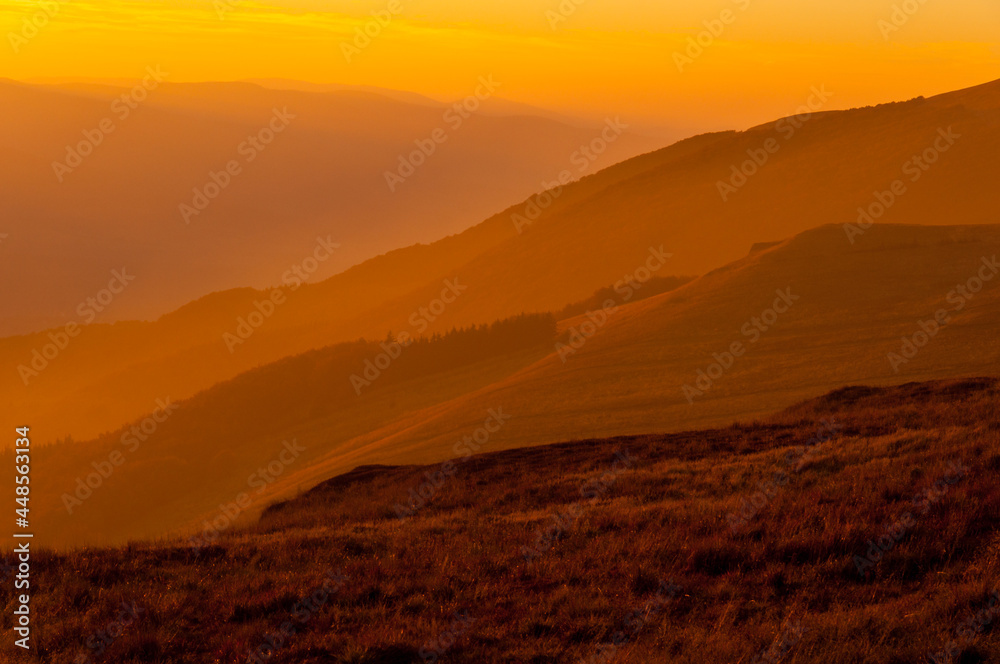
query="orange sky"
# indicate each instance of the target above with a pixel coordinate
(595, 57)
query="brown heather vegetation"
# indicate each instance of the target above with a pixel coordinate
(663, 520)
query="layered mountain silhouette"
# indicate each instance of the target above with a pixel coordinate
(706, 201)
(94, 177)
(787, 322)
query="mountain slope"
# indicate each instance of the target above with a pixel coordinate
(309, 164)
(756, 542)
(851, 305)
(855, 304)
(595, 232)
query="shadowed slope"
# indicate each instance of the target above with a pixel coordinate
(636, 558)
(316, 167)
(594, 233)
(851, 305)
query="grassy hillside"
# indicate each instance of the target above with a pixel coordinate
(659, 363)
(666, 363)
(177, 465)
(752, 543)
(582, 237)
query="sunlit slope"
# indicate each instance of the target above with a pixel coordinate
(178, 464)
(592, 234)
(111, 373)
(852, 305)
(822, 172)
(845, 310)
(309, 164)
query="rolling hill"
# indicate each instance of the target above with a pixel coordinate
(859, 526)
(788, 322)
(308, 164)
(583, 236)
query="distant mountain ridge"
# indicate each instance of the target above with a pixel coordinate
(581, 237)
(808, 315)
(89, 166)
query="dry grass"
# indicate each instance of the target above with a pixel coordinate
(785, 580)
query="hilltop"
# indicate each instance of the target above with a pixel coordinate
(858, 526)
(141, 177)
(551, 249)
(786, 323)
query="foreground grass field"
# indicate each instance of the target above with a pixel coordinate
(858, 527)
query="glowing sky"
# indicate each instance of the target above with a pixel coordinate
(604, 56)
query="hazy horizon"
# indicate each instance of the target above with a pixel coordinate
(510, 331)
(755, 63)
